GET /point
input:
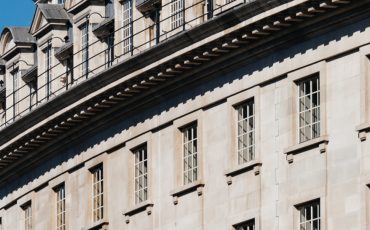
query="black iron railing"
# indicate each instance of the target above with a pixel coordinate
(100, 58)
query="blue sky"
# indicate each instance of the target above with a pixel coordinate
(16, 13)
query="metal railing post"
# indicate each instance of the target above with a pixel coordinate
(183, 14)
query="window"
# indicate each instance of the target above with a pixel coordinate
(229, 1)
(246, 132)
(309, 108)
(16, 89)
(190, 150)
(98, 193)
(60, 1)
(61, 207)
(109, 53)
(48, 68)
(309, 216)
(27, 216)
(248, 225)
(85, 49)
(127, 26)
(141, 174)
(1, 223)
(177, 13)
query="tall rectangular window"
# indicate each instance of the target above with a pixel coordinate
(97, 193)
(1, 223)
(69, 71)
(141, 174)
(177, 13)
(309, 108)
(190, 157)
(27, 209)
(127, 26)
(246, 132)
(248, 225)
(61, 207)
(85, 49)
(16, 89)
(48, 70)
(109, 53)
(309, 216)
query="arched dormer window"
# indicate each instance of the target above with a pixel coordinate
(7, 43)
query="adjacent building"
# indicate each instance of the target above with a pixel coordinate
(186, 114)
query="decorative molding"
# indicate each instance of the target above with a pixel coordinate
(320, 143)
(253, 165)
(195, 186)
(143, 206)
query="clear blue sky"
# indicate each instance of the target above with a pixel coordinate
(16, 13)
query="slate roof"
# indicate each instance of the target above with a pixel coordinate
(53, 11)
(20, 34)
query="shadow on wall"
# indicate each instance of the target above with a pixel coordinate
(174, 100)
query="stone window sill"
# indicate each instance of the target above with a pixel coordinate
(254, 165)
(194, 186)
(320, 142)
(143, 206)
(99, 225)
(362, 130)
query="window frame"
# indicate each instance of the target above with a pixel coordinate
(293, 78)
(179, 188)
(234, 168)
(130, 146)
(27, 215)
(301, 206)
(84, 29)
(248, 132)
(47, 52)
(177, 14)
(100, 182)
(90, 165)
(240, 226)
(16, 81)
(300, 83)
(136, 151)
(184, 130)
(63, 212)
(127, 27)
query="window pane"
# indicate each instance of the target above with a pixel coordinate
(245, 126)
(190, 155)
(98, 202)
(141, 174)
(310, 216)
(309, 109)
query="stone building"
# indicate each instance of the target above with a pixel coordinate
(186, 114)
